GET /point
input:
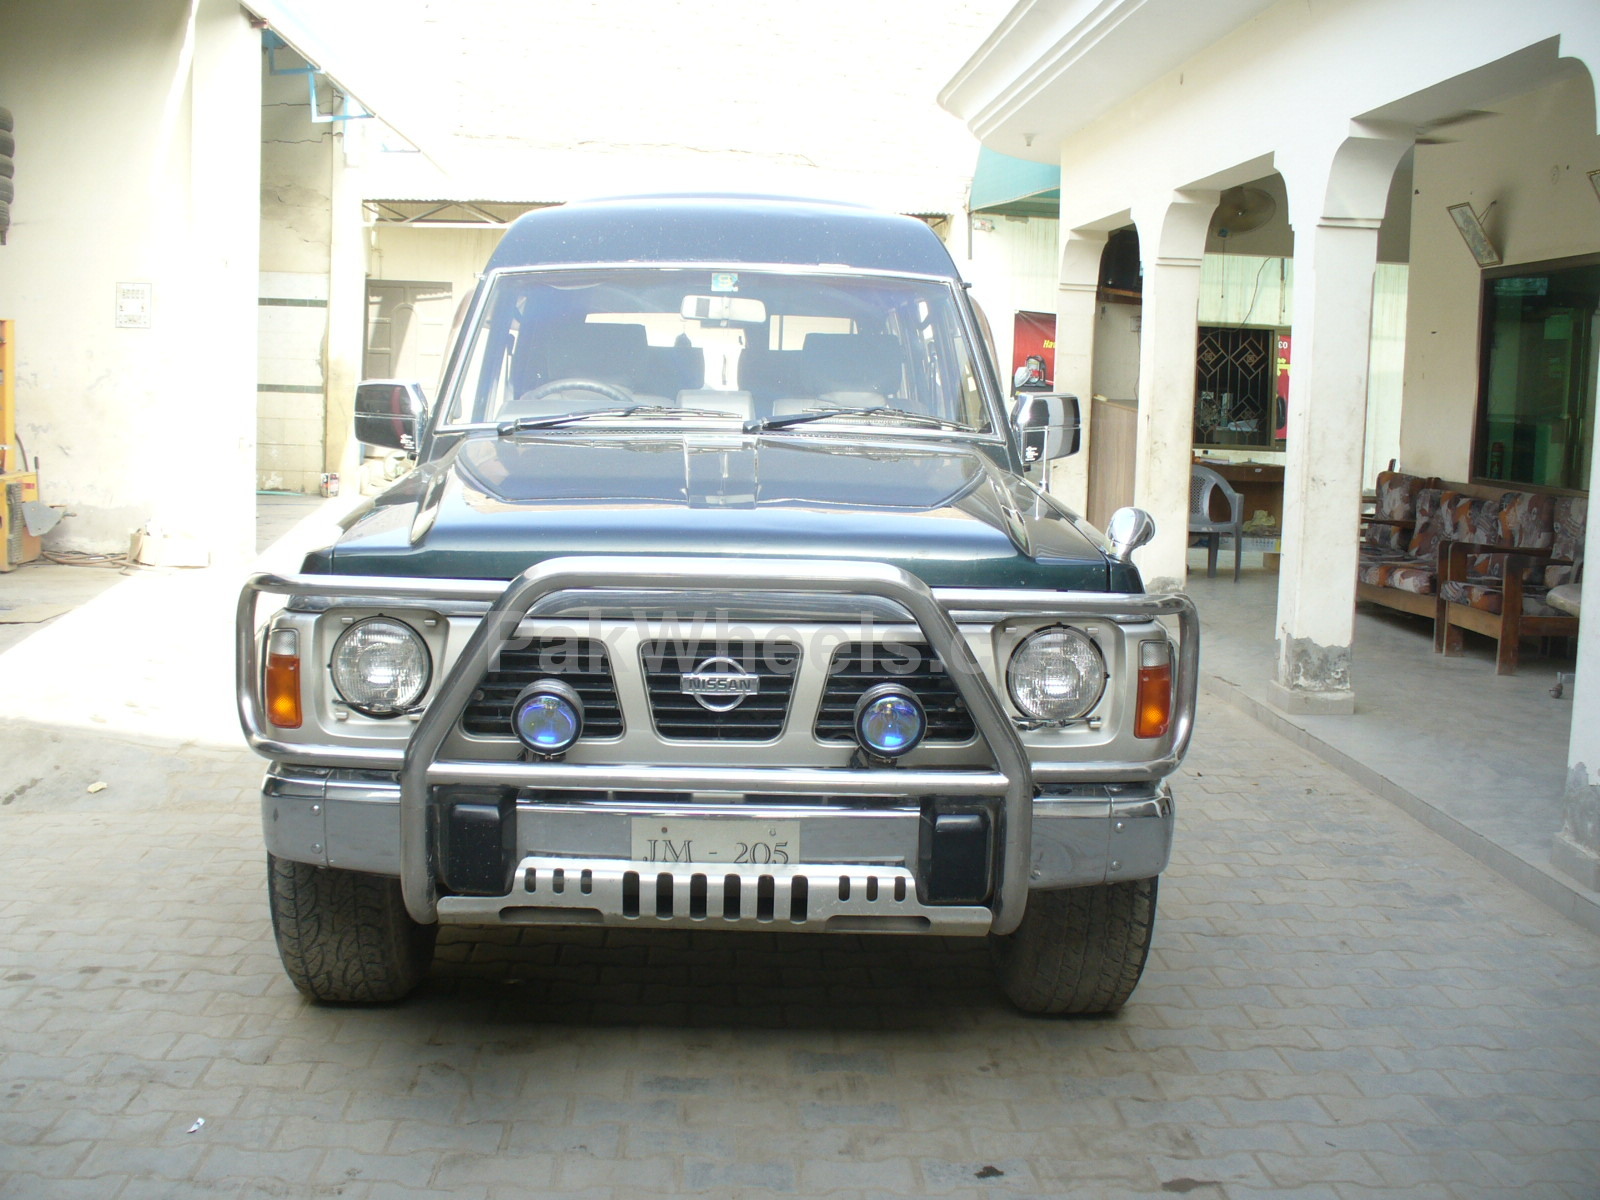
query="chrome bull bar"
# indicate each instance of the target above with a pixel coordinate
(1011, 782)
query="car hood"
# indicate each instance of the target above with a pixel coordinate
(943, 510)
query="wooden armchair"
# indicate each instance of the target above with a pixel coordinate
(1502, 590)
(1388, 528)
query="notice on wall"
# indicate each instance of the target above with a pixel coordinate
(134, 303)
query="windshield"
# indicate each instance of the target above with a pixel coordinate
(651, 344)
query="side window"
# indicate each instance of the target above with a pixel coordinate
(486, 372)
(971, 393)
(942, 375)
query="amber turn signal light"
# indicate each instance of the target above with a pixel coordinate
(283, 679)
(1154, 703)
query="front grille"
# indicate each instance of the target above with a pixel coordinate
(756, 718)
(860, 665)
(580, 662)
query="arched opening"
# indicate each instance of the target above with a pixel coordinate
(1115, 380)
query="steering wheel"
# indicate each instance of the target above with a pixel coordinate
(611, 391)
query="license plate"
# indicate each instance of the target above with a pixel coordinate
(726, 841)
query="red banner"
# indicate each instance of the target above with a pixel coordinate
(1034, 337)
(1281, 425)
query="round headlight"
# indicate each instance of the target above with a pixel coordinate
(380, 667)
(1056, 675)
(889, 721)
(547, 716)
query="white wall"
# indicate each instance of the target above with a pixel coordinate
(1247, 289)
(453, 256)
(1251, 290)
(1116, 351)
(1012, 268)
(1198, 121)
(1530, 162)
(296, 163)
(1386, 368)
(137, 162)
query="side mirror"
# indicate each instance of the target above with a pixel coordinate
(1128, 529)
(1046, 425)
(389, 413)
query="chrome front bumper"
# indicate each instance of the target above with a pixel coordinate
(1008, 788)
(1089, 834)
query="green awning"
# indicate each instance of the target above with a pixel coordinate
(1015, 187)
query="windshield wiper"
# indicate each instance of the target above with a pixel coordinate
(525, 424)
(763, 424)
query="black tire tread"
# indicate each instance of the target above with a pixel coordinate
(345, 937)
(1078, 950)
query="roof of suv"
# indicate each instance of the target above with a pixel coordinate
(723, 229)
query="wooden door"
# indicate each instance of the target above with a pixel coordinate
(408, 324)
(1113, 436)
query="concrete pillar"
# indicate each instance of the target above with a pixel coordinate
(131, 265)
(1075, 316)
(347, 303)
(224, 173)
(1577, 845)
(1327, 417)
(1172, 239)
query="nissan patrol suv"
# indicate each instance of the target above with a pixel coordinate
(723, 595)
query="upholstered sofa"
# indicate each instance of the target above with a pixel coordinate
(1502, 590)
(1472, 557)
(1398, 563)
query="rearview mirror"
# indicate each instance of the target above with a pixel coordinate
(723, 308)
(1046, 425)
(389, 413)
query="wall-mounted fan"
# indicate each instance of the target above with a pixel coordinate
(1242, 209)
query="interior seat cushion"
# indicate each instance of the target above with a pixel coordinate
(1373, 554)
(668, 370)
(1524, 519)
(1569, 523)
(852, 363)
(1486, 594)
(773, 374)
(1397, 495)
(1396, 501)
(1514, 519)
(608, 353)
(1430, 523)
(1459, 517)
(1370, 571)
(1566, 597)
(1417, 577)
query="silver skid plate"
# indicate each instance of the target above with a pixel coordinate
(811, 898)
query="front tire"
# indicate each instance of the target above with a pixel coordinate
(1078, 950)
(345, 937)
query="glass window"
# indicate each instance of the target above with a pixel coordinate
(1236, 387)
(1537, 384)
(744, 343)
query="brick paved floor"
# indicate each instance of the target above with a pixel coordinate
(1339, 1004)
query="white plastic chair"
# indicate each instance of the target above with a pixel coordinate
(1202, 482)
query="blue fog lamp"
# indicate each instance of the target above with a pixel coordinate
(547, 717)
(889, 721)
